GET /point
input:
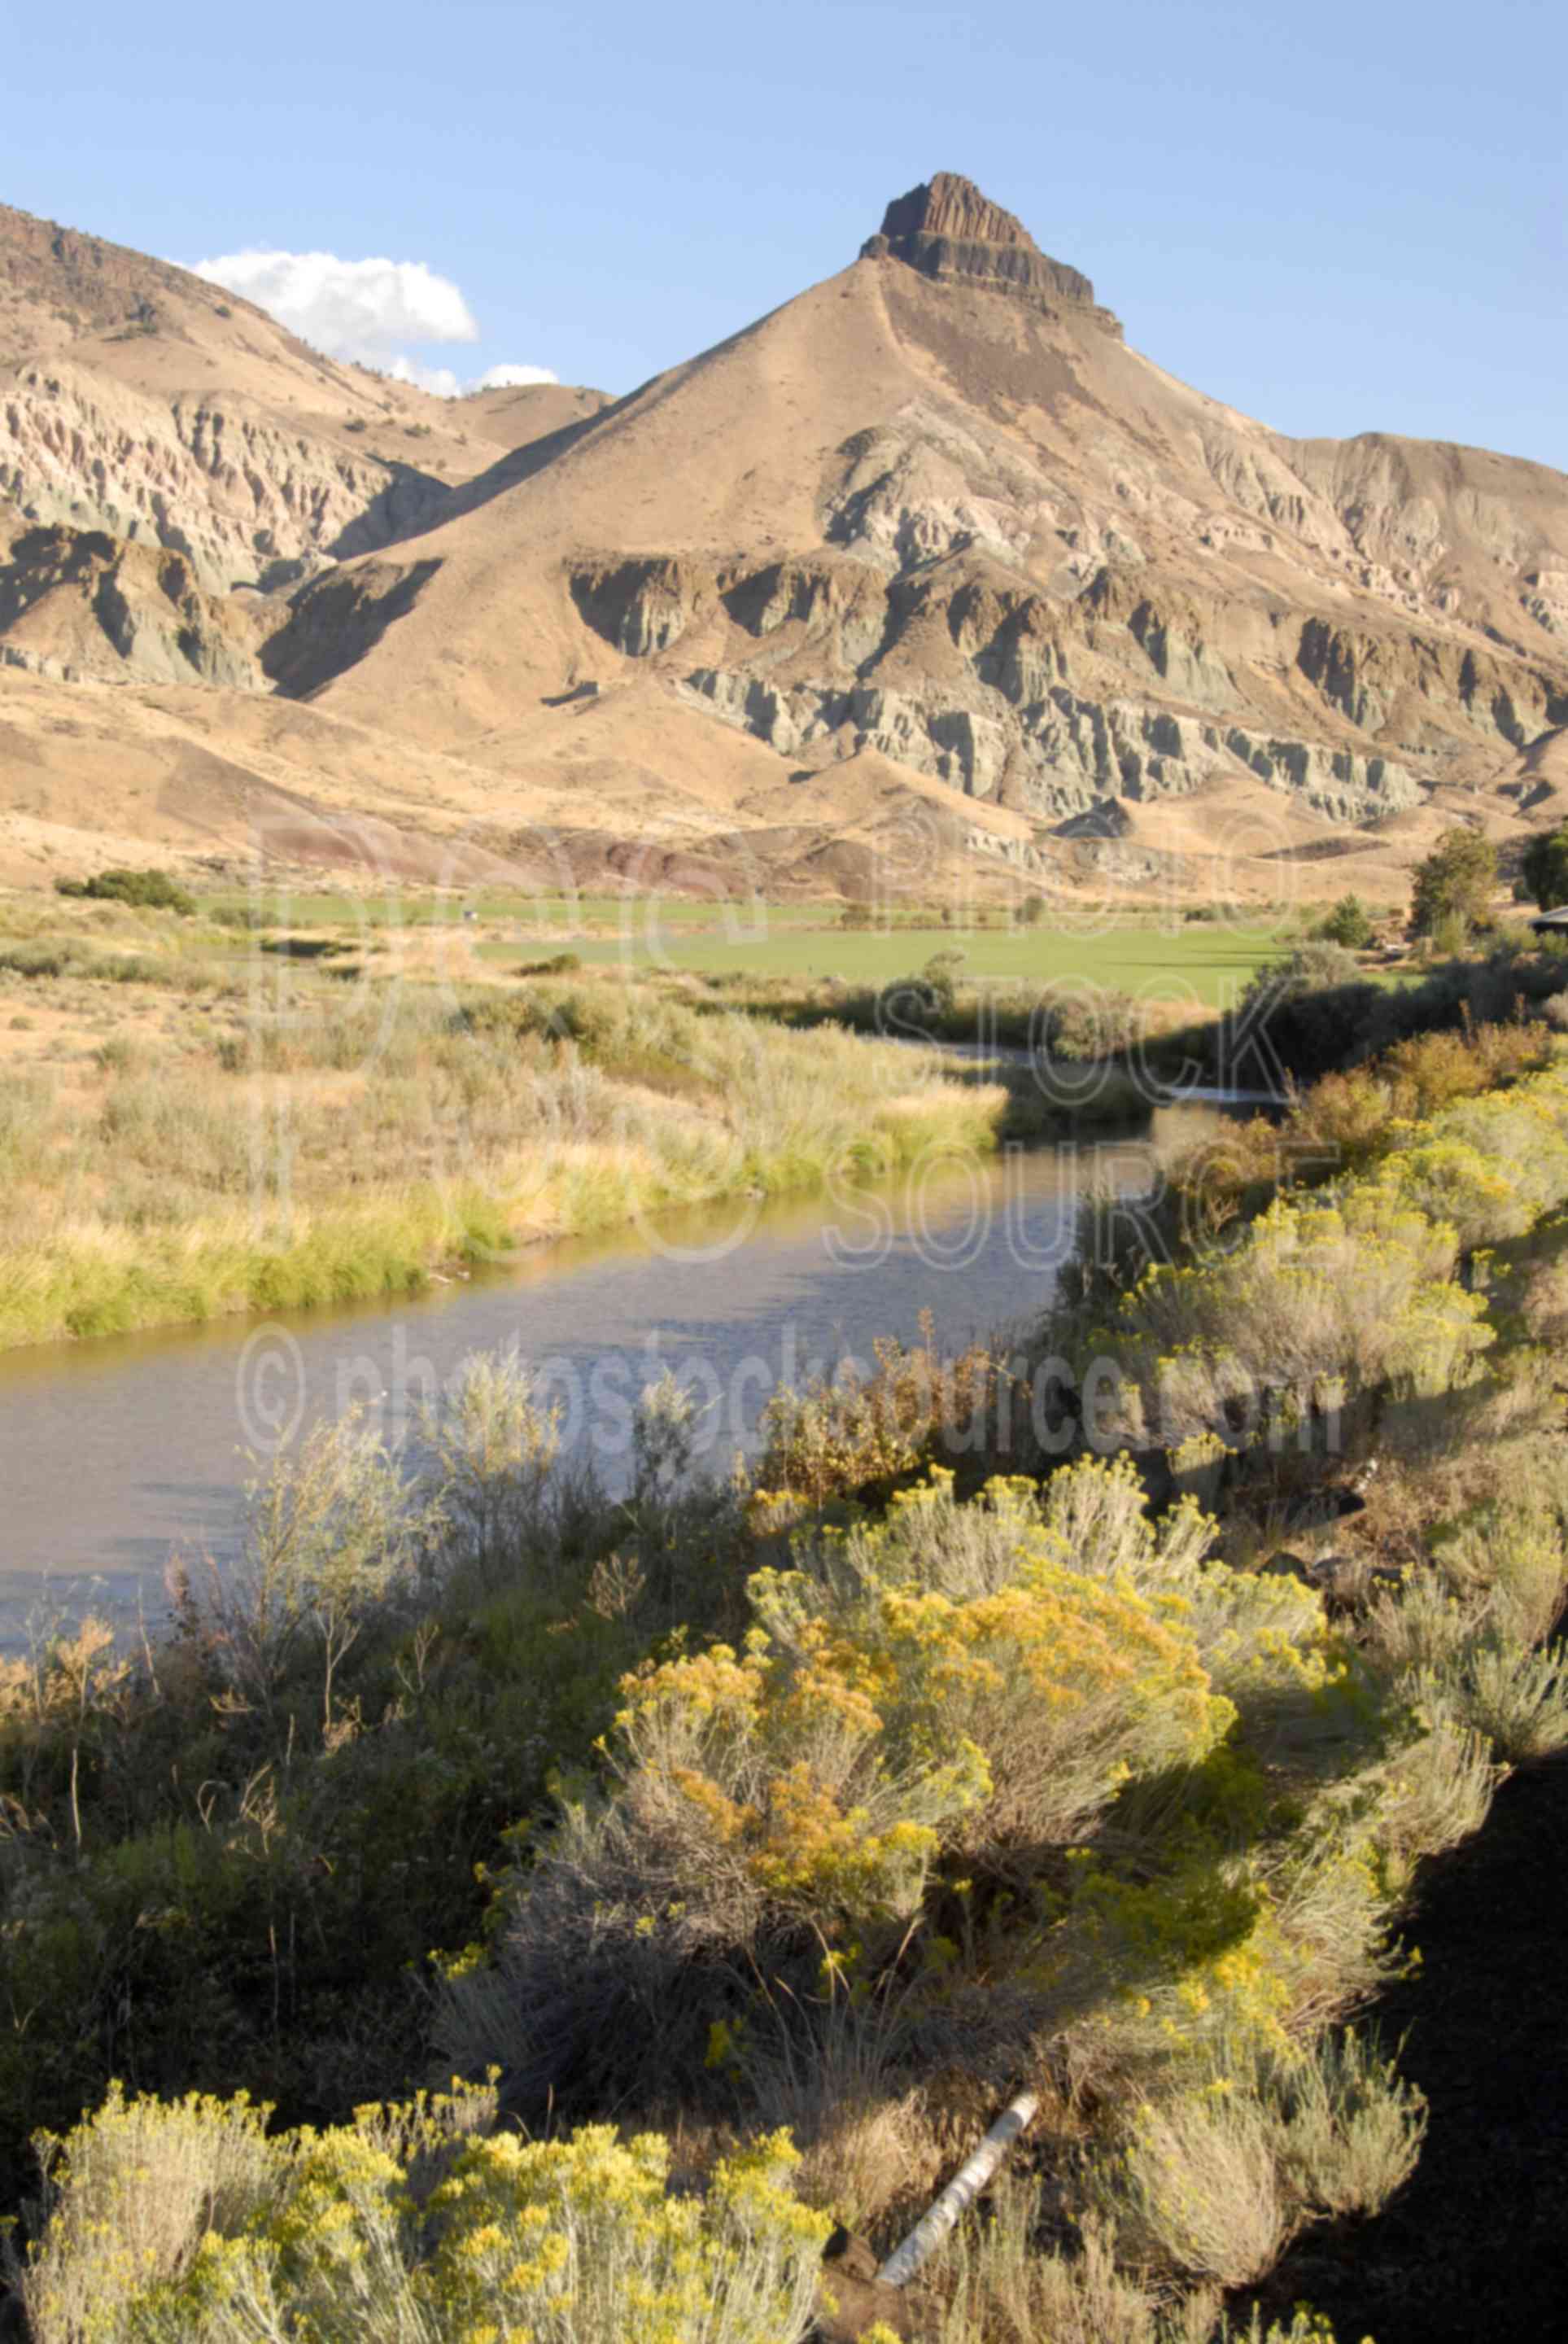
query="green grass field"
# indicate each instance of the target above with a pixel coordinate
(1206, 965)
(543, 916)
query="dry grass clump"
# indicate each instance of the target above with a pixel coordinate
(1011, 2280)
(1214, 2180)
(834, 2074)
(1003, 2287)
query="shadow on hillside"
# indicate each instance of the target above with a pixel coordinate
(1474, 2246)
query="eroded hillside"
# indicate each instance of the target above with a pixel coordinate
(932, 534)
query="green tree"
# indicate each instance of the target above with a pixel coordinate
(1347, 923)
(1545, 867)
(1455, 882)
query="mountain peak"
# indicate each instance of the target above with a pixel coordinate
(949, 205)
(950, 232)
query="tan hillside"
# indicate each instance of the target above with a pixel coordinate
(928, 551)
(141, 400)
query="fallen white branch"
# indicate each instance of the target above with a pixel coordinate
(960, 2192)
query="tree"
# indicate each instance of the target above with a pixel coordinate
(1544, 867)
(1347, 923)
(1455, 882)
(1031, 911)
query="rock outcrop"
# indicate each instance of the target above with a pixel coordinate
(947, 230)
(1032, 707)
(78, 603)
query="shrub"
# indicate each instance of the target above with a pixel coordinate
(151, 891)
(331, 1536)
(1433, 1794)
(1348, 2131)
(38, 961)
(1315, 967)
(1198, 2189)
(1294, 1016)
(1517, 1698)
(921, 1004)
(1511, 1551)
(184, 2224)
(561, 963)
(1094, 1023)
(1215, 2180)
(489, 1453)
(844, 1435)
(128, 2196)
(943, 1681)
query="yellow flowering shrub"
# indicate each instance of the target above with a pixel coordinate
(938, 1680)
(184, 2222)
(945, 1683)
(129, 2192)
(1349, 1290)
(580, 2242)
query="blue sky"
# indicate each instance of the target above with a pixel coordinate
(1340, 218)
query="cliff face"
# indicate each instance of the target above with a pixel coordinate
(78, 604)
(930, 535)
(247, 501)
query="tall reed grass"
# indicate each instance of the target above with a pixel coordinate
(343, 1147)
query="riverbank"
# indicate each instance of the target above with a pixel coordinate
(149, 1431)
(333, 1142)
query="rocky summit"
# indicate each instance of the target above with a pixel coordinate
(946, 228)
(927, 564)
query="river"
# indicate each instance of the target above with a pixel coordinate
(116, 1453)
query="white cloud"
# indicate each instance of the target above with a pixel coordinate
(511, 377)
(365, 310)
(439, 380)
(348, 309)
